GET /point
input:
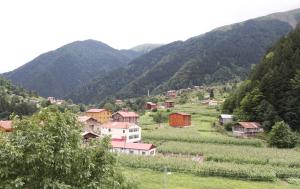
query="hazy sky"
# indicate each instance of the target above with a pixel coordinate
(31, 27)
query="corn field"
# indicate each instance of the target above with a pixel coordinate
(220, 169)
(202, 139)
(236, 154)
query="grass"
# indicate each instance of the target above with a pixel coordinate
(148, 179)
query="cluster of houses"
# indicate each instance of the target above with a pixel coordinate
(242, 129)
(53, 100)
(121, 126)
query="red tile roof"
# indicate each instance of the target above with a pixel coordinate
(127, 114)
(6, 125)
(95, 110)
(118, 125)
(85, 118)
(250, 125)
(136, 146)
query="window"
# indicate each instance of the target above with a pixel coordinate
(131, 151)
(109, 130)
(123, 131)
(143, 153)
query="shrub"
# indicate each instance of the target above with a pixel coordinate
(281, 136)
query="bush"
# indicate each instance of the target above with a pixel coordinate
(281, 136)
(228, 126)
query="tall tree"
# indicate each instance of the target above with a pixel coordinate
(47, 151)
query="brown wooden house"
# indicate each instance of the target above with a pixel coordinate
(150, 106)
(125, 116)
(179, 119)
(169, 104)
(246, 129)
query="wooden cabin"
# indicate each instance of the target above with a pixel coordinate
(125, 116)
(101, 115)
(179, 119)
(90, 124)
(225, 118)
(169, 104)
(171, 94)
(247, 129)
(150, 106)
(89, 135)
(6, 126)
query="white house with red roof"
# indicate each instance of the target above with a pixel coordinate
(247, 129)
(133, 148)
(122, 131)
(125, 116)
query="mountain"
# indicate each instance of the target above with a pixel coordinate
(272, 91)
(145, 48)
(57, 72)
(223, 54)
(14, 99)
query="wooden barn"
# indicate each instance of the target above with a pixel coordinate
(179, 119)
(150, 106)
(169, 104)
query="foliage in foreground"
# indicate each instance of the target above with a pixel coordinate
(46, 151)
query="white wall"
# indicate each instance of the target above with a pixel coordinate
(135, 151)
(119, 133)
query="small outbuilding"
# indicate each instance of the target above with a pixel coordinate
(247, 129)
(150, 106)
(179, 119)
(134, 148)
(225, 118)
(6, 126)
(169, 104)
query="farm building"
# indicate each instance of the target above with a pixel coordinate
(122, 131)
(89, 135)
(246, 129)
(134, 148)
(125, 116)
(225, 118)
(171, 94)
(101, 115)
(179, 119)
(90, 124)
(169, 104)
(6, 126)
(119, 102)
(150, 106)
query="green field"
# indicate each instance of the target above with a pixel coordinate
(249, 160)
(148, 179)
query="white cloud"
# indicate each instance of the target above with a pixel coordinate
(31, 27)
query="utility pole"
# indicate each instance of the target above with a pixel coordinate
(165, 178)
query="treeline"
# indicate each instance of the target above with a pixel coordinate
(16, 100)
(272, 91)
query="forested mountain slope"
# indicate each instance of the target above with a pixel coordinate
(57, 72)
(224, 54)
(15, 99)
(272, 92)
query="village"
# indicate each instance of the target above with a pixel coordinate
(126, 130)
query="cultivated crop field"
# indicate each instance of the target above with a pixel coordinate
(200, 152)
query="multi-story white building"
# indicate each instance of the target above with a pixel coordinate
(122, 131)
